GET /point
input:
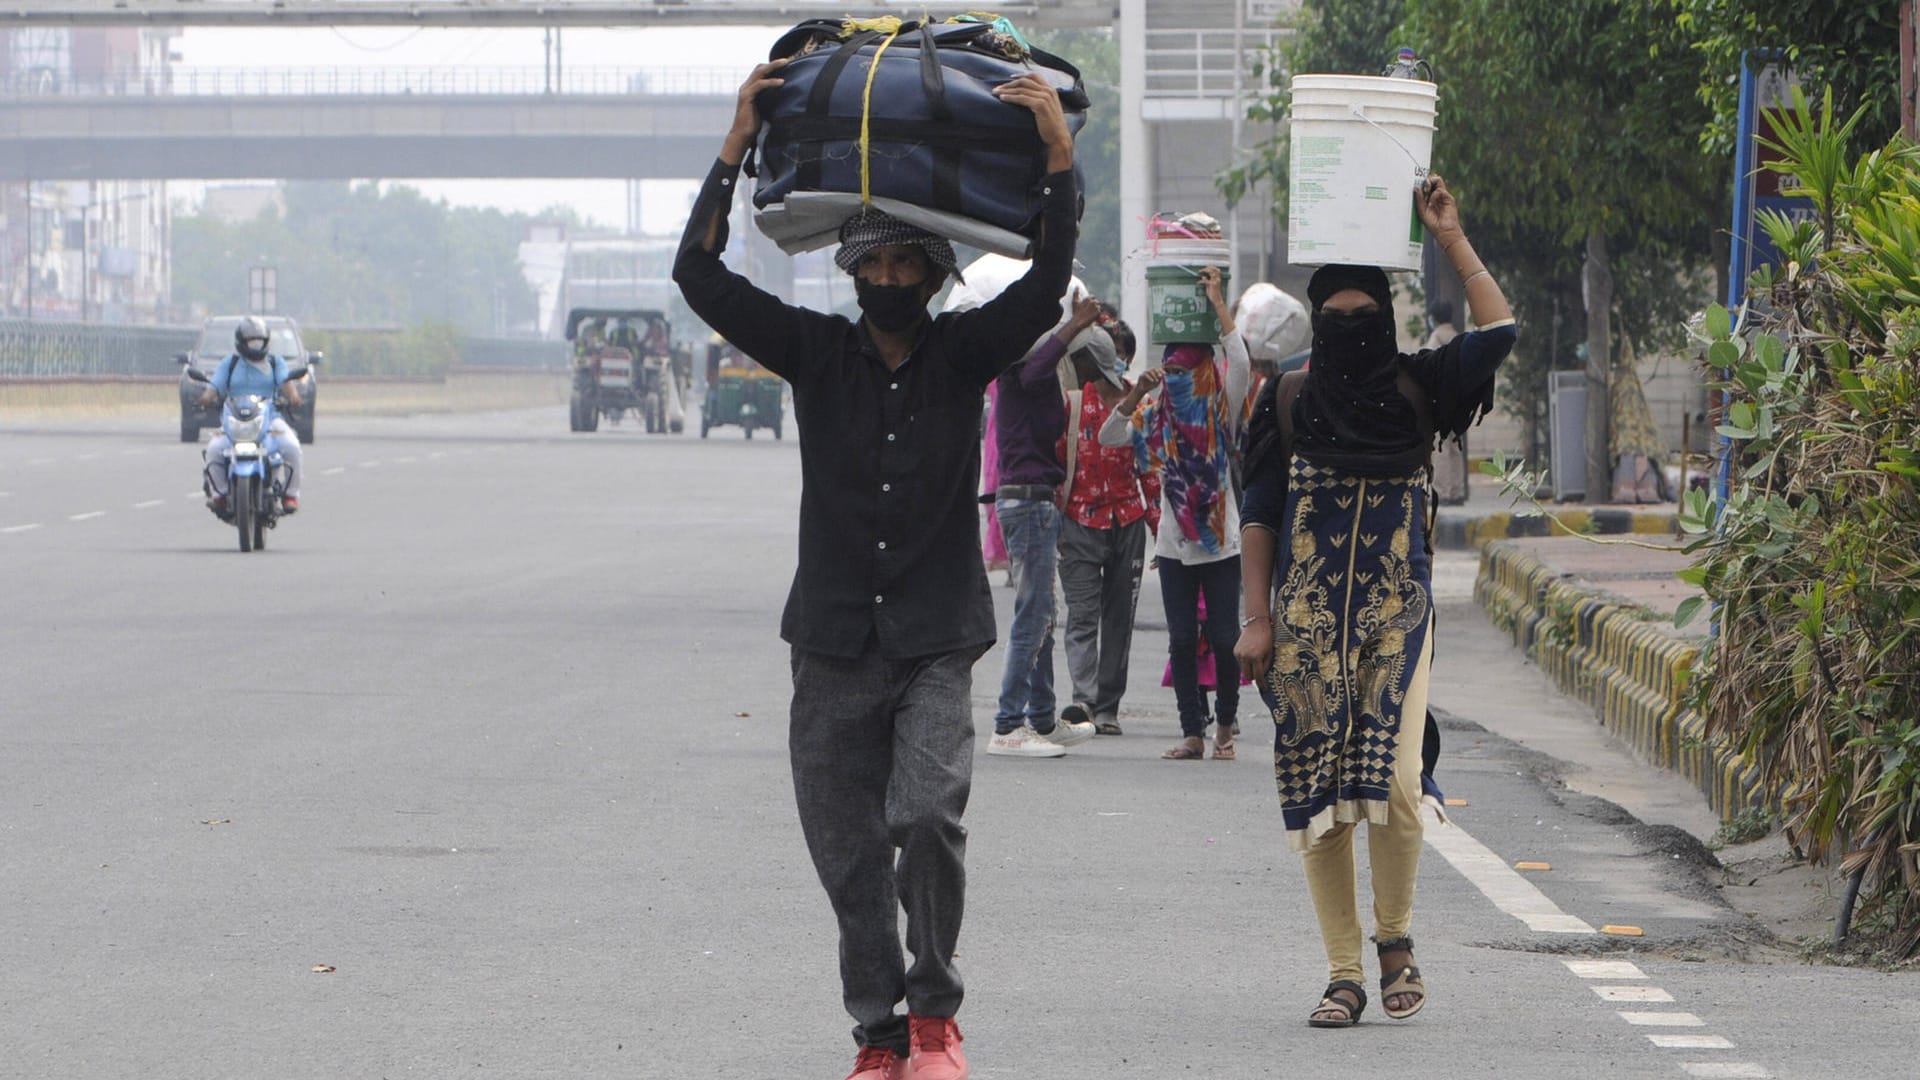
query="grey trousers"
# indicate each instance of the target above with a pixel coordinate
(1100, 575)
(882, 756)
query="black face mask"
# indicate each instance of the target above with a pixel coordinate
(1354, 342)
(892, 308)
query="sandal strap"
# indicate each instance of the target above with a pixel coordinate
(1404, 981)
(1403, 943)
(1327, 1000)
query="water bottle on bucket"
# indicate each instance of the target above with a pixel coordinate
(1361, 144)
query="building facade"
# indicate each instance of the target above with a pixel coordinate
(83, 250)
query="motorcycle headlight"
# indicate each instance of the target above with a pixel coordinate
(245, 430)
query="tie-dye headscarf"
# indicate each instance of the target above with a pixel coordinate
(1183, 435)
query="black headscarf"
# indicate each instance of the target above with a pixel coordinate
(1353, 413)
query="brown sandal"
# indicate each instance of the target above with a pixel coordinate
(1349, 1010)
(1403, 982)
(1224, 751)
(1194, 749)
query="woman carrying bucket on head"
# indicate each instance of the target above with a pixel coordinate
(1183, 436)
(1337, 584)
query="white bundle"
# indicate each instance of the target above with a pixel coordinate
(1274, 324)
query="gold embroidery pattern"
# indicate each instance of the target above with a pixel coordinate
(1343, 649)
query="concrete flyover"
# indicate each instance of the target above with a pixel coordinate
(325, 125)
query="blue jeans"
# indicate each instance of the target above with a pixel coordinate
(1032, 532)
(1181, 587)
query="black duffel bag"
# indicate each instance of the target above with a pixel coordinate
(938, 137)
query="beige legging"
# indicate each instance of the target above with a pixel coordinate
(1393, 850)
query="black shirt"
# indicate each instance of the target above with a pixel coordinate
(889, 460)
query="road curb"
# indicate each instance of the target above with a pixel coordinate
(1470, 532)
(1633, 673)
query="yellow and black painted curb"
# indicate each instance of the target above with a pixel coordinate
(1467, 533)
(1632, 672)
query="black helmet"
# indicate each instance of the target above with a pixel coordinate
(250, 338)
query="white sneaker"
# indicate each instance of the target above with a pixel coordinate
(1024, 742)
(1067, 733)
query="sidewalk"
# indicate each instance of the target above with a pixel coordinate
(1489, 515)
(1598, 619)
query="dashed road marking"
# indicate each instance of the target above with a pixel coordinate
(370, 464)
(1692, 1042)
(1662, 1019)
(1501, 884)
(88, 457)
(335, 471)
(149, 504)
(40, 461)
(88, 516)
(1604, 969)
(1642, 994)
(1726, 1070)
(21, 528)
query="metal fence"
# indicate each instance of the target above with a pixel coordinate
(376, 81)
(41, 349)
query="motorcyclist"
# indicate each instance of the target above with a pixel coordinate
(251, 369)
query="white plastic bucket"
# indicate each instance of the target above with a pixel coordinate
(1360, 146)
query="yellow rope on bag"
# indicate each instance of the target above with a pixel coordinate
(890, 25)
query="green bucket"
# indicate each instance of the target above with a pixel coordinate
(1178, 312)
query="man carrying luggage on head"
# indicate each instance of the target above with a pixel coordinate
(889, 608)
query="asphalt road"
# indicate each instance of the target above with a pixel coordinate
(493, 732)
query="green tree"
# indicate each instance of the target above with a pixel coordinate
(360, 255)
(1574, 129)
(1851, 48)
(1097, 152)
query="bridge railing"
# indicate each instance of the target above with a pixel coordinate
(270, 81)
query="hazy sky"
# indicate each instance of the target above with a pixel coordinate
(664, 202)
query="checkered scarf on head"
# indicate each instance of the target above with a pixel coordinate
(872, 228)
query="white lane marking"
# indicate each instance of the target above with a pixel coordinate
(194, 495)
(1726, 1070)
(436, 454)
(1652, 995)
(88, 457)
(40, 461)
(406, 460)
(1662, 1019)
(88, 516)
(6, 494)
(1502, 884)
(1692, 1042)
(370, 464)
(150, 503)
(20, 528)
(335, 471)
(1604, 969)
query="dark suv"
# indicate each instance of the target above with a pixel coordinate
(216, 344)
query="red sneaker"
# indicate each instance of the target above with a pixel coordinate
(290, 504)
(878, 1063)
(936, 1053)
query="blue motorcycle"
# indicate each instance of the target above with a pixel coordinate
(256, 471)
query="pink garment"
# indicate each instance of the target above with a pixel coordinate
(1207, 681)
(993, 547)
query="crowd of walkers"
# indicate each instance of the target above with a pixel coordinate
(1318, 533)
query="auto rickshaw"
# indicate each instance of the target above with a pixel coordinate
(740, 391)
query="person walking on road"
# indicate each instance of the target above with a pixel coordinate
(889, 608)
(1030, 414)
(1110, 507)
(1337, 587)
(1183, 437)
